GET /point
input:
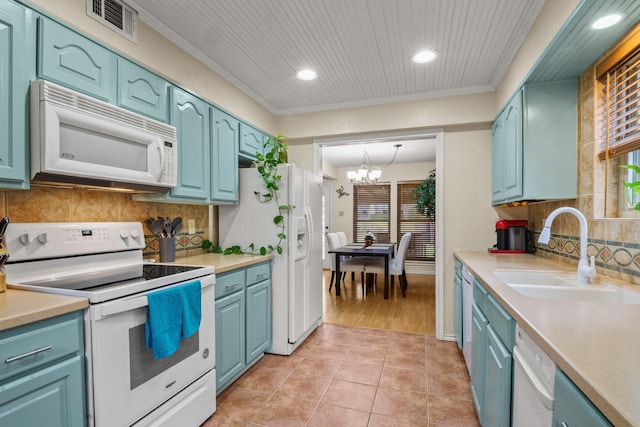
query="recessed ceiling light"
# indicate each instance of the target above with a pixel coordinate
(424, 56)
(306, 74)
(606, 21)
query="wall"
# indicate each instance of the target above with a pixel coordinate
(469, 220)
(613, 241)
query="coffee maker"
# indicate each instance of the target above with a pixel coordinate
(513, 236)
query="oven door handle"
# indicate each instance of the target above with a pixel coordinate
(122, 306)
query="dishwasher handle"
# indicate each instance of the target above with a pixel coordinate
(544, 395)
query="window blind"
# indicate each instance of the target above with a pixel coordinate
(619, 113)
(422, 246)
(371, 206)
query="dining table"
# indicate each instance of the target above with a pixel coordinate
(384, 250)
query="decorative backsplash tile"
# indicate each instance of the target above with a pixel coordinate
(620, 260)
(186, 244)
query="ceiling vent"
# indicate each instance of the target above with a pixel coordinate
(116, 15)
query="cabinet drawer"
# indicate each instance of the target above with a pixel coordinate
(35, 345)
(501, 321)
(258, 273)
(229, 283)
(480, 296)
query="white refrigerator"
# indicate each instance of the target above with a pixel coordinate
(296, 275)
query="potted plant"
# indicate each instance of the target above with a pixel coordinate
(633, 187)
(425, 196)
(369, 238)
(266, 165)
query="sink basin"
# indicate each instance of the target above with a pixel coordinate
(564, 286)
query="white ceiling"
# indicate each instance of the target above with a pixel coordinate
(380, 153)
(361, 49)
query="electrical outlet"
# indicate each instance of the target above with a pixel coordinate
(191, 224)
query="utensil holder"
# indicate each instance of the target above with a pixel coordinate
(167, 249)
(3, 282)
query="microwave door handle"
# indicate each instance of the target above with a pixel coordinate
(160, 148)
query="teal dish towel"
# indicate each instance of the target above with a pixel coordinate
(164, 327)
(191, 307)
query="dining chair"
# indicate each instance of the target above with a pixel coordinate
(352, 265)
(396, 265)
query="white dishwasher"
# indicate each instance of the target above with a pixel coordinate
(533, 383)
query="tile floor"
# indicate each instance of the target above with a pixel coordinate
(349, 376)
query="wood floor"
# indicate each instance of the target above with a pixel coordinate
(415, 313)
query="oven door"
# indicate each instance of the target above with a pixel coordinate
(125, 382)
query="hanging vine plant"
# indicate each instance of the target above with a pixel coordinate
(425, 196)
(267, 166)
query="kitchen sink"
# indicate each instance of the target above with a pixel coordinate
(564, 286)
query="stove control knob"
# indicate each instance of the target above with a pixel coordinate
(134, 233)
(43, 238)
(124, 234)
(26, 238)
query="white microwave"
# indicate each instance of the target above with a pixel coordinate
(81, 141)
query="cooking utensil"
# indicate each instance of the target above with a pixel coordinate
(3, 259)
(177, 220)
(178, 228)
(168, 229)
(158, 227)
(4, 222)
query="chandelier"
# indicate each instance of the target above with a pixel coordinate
(364, 175)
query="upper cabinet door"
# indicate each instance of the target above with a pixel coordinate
(224, 156)
(142, 91)
(251, 141)
(17, 67)
(497, 160)
(512, 147)
(67, 58)
(190, 116)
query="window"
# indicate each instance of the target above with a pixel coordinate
(619, 119)
(371, 206)
(423, 231)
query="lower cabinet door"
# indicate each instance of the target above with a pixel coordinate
(457, 311)
(497, 396)
(230, 338)
(478, 353)
(52, 397)
(258, 319)
(572, 408)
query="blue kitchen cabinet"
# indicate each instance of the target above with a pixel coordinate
(74, 61)
(42, 380)
(478, 353)
(225, 137)
(243, 320)
(536, 130)
(457, 297)
(142, 91)
(17, 67)
(258, 311)
(191, 117)
(493, 338)
(497, 387)
(251, 141)
(572, 408)
(230, 341)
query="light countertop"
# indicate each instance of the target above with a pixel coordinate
(223, 263)
(21, 307)
(596, 344)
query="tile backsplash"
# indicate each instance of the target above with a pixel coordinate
(44, 204)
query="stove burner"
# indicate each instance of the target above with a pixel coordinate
(154, 271)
